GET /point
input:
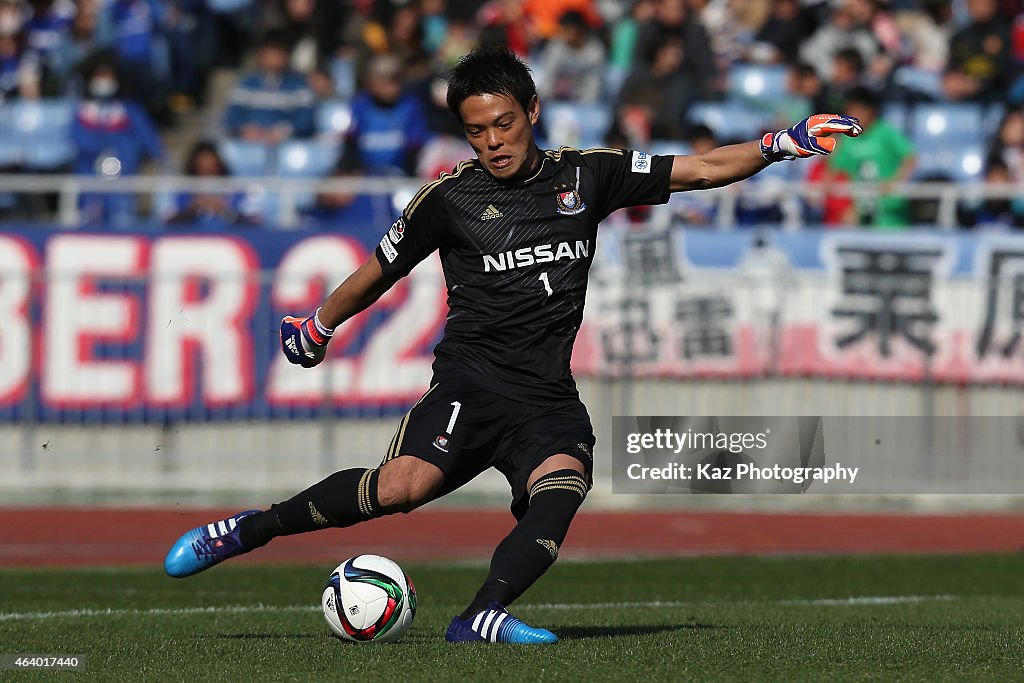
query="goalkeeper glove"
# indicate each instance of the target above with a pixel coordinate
(809, 137)
(304, 342)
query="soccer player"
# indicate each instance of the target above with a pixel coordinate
(516, 230)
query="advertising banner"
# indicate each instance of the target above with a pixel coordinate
(161, 325)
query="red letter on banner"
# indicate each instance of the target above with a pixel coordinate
(307, 273)
(77, 317)
(202, 296)
(17, 264)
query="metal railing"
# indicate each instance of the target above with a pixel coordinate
(69, 188)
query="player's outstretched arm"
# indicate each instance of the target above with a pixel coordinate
(731, 163)
(304, 341)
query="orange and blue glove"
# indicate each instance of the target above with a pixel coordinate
(810, 137)
(304, 341)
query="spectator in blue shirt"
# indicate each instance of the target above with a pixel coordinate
(48, 25)
(67, 61)
(213, 211)
(388, 126)
(274, 103)
(133, 30)
(357, 214)
(113, 138)
(191, 35)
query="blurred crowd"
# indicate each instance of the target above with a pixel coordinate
(364, 80)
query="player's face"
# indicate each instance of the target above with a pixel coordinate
(501, 134)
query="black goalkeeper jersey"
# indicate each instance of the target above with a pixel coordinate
(516, 257)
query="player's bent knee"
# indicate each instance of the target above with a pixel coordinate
(406, 482)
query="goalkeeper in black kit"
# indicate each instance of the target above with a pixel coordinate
(516, 229)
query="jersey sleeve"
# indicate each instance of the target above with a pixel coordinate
(419, 232)
(629, 178)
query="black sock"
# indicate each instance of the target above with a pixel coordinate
(532, 546)
(342, 499)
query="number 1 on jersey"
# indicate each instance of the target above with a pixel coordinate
(547, 285)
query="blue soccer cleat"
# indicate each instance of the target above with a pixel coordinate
(205, 546)
(496, 625)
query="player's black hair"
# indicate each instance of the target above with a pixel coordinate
(573, 19)
(851, 56)
(275, 39)
(197, 150)
(490, 71)
(996, 162)
(700, 132)
(863, 96)
(803, 69)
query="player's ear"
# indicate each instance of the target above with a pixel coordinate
(533, 110)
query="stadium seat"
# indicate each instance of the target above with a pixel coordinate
(757, 83)
(43, 130)
(577, 125)
(897, 114)
(305, 159)
(992, 117)
(48, 155)
(961, 163)
(932, 123)
(730, 120)
(920, 82)
(246, 158)
(668, 148)
(227, 6)
(333, 118)
(343, 76)
(42, 117)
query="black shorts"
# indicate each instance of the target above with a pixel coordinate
(465, 430)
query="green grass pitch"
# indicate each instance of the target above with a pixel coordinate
(785, 619)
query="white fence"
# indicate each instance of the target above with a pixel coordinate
(289, 192)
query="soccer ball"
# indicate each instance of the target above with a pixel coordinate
(369, 598)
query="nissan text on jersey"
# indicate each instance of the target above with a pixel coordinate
(542, 253)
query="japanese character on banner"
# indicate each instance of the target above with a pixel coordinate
(886, 294)
(704, 323)
(1001, 330)
(633, 339)
(651, 258)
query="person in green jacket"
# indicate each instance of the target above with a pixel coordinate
(882, 155)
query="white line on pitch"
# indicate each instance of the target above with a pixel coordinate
(663, 604)
(824, 602)
(88, 612)
(870, 600)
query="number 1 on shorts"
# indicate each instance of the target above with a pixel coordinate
(456, 407)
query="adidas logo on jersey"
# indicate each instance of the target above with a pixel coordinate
(490, 213)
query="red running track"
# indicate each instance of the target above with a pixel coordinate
(87, 536)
